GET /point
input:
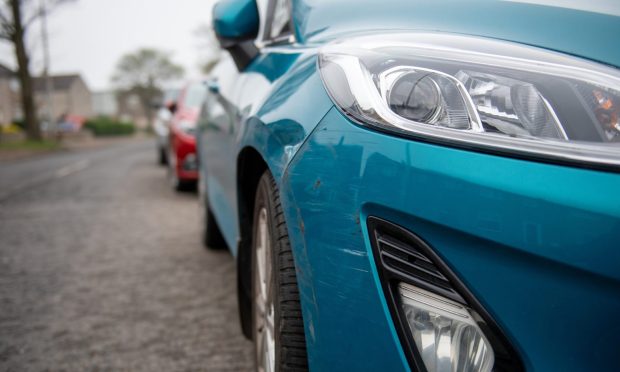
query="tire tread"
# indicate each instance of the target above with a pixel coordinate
(293, 354)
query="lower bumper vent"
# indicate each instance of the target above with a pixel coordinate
(405, 256)
(402, 257)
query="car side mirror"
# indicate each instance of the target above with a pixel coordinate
(236, 24)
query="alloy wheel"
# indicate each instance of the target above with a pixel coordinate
(264, 331)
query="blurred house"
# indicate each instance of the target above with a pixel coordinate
(131, 108)
(105, 103)
(70, 95)
(10, 108)
(126, 105)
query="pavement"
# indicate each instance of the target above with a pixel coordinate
(102, 269)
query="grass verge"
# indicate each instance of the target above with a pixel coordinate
(27, 145)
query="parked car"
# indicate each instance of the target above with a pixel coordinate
(182, 160)
(162, 124)
(161, 127)
(419, 185)
(68, 123)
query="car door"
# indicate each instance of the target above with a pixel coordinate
(233, 98)
(216, 133)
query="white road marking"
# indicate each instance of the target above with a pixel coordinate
(43, 178)
(71, 168)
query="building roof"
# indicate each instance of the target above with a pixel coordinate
(59, 82)
(5, 71)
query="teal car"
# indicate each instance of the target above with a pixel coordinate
(418, 185)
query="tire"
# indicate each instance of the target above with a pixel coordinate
(173, 179)
(162, 158)
(275, 293)
(176, 183)
(212, 237)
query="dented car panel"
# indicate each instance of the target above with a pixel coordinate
(512, 229)
(534, 242)
(259, 110)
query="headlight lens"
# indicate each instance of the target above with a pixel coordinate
(445, 334)
(479, 93)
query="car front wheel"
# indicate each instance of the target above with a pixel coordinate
(177, 183)
(211, 234)
(278, 328)
(162, 155)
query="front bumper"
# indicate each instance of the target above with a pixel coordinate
(184, 148)
(536, 244)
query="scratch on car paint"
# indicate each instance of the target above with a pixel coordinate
(332, 150)
(326, 284)
(302, 227)
(311, 328)
(359, 269)
(317, 184)
(355, 253)
(304, 270)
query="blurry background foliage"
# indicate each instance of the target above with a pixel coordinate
(144, 73)
(16, 19)
(106, 126)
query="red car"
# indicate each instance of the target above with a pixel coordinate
(182, 159)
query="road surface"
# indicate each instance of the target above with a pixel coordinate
(101, 269)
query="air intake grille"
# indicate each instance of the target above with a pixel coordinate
(404, 256)
(401, 256)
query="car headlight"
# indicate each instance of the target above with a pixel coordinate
(478, 93)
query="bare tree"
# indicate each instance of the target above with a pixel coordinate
(16, 17)
(143, 73)
(209, 48)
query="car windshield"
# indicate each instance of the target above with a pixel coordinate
(194, 95)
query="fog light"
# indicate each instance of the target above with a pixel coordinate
(447, 337)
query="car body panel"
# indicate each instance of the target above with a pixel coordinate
(536, 243)
(512, 230)
(584, 28)
(182, 143)
(261, 111)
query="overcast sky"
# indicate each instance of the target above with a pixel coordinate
(89, 36)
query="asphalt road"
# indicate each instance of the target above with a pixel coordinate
(101, 269)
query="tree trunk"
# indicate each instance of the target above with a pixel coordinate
(25, 80)
(149, 98)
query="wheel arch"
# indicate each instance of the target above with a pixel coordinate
(270, 140)
(250, 167)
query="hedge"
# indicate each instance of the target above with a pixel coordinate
(104, 126)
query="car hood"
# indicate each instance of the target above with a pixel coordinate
(588, 29)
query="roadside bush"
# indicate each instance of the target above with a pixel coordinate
(10, 129)
(105, 126)
(20, 123)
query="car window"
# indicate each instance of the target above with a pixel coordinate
(194, 96)
(171, 95)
